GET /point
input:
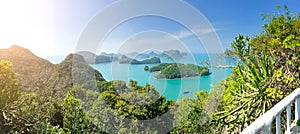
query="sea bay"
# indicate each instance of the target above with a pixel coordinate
(172, 89)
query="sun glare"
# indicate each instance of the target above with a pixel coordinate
(27, 24)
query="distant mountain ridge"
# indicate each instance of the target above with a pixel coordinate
(37, 74)
(153, 60)
(148, 57)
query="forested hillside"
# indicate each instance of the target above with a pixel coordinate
(37, 74)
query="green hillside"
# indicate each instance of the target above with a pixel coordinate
(37, 74)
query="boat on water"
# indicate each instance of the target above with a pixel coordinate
(186, 92)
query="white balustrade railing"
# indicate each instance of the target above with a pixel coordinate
(264, 123)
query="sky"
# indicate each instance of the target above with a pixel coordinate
(60, 27)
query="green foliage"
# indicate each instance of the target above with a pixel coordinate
(200, 111)
(75, 120)
(159, 67)
(249, 92)
(34, 112)
(9, 86)
(178, 70)
(146, 68)
(137, 103)
(9, 93)
(298, 123)
(196, 119)
(268, 71)
(39, 75)
(118, 109)
(103, 85)
(154, 60)
(240, 48)
(281, 40)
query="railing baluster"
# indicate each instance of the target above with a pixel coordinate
(264, 122)
(266, 129)
(288, 120)
(297, 108)
(278, 124)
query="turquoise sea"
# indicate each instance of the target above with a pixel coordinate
(172, 89)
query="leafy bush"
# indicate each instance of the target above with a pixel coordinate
(268, 70)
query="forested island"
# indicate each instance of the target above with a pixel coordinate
(92, 58)
(131, 58)
(153, 60)
(177, 70)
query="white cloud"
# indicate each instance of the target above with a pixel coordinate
(197, 32)
(160, 41)
(156, 40)
(153, 40)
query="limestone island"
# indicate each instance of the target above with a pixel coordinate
(153, 60)
(177, 70)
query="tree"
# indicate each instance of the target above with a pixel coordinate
(134, 103)
(268, 70)
(9, 85)
(194, 121)
(75, 120)
(249, 92)
(9, 93)
(20, 111)
(178, 70)
(240, 47)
